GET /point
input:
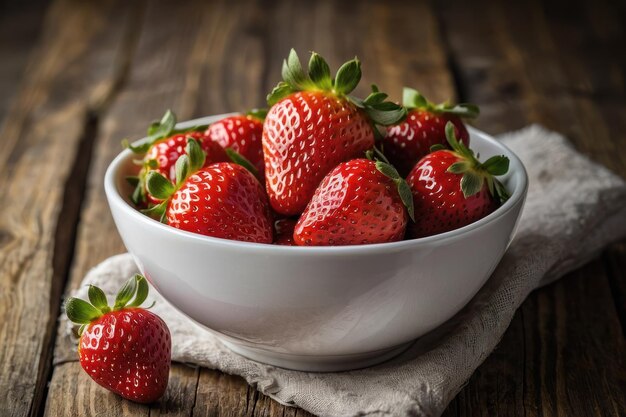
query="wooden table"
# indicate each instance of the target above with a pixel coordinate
(78, 76)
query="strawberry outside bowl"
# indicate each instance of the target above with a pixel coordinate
(318, 308)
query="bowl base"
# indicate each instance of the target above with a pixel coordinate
(312, 363)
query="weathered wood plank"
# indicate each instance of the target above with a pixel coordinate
(190, 68)
(520, 62)
(20, 28)
(44, 128)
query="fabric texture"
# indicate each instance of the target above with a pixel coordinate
(574, 209)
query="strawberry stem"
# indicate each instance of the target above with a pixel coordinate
(82, 312)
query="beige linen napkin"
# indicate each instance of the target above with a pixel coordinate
(574, 208)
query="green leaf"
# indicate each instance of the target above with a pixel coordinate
(98, 299)
(156, 130)
(167, 124)
(133, 180)
(412, 99)
(465, 110)
(257, 113)
(375, 98)
(239, 159)
(319, 72)
(348, 77)
(157, 212)
(406, 196)
(126, 293)
(142, 291)
(80, 311)
(437, 147)
(501, 192)
(459, 167)
(496, 165)
(154, 127)
(386, 113)
(471, 183)
(159, 186)
(293, 74)
(182, 168)
(138, 197)
(279, 92)
(139, 147)
(388, 170)
(451, 136)
(197, 156)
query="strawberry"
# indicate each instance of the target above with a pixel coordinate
(283, 230)
(243, 134)
(407, 142)
(124, 348)
(223, 200)
(358, 202)
(162, 148)
(451, 188)
(313, 125)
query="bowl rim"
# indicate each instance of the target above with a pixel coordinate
(115, 198)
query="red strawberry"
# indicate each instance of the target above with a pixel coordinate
(313, 125)
(407, 142)
(166, 152)
(358, 202)
(283, 229)
(124, 348)
(242, 133)
(222, 200)
(162, 148)
(451, 188)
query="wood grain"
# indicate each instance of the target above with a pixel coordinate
(77, 77)
(521, 63)
(44, 128)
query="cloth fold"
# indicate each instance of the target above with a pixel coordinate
(574, 209)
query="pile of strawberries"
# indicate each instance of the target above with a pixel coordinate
(320, 166)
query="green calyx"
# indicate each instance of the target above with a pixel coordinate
(132, 294)
(258, 114)
(162, 188)
(160, 129)
(318, 78)
(474, 173)
(384, 166)
(412, 99)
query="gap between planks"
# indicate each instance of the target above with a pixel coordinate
(74, 193)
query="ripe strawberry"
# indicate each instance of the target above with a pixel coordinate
(283, 230)
(409, 141)
(242, 133)
(162, 148)
(451, 188)
(313, 125)
(358, 202)
(222, 200)
(167, 151)
(124, 348)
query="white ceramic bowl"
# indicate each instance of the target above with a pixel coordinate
(318, 308)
